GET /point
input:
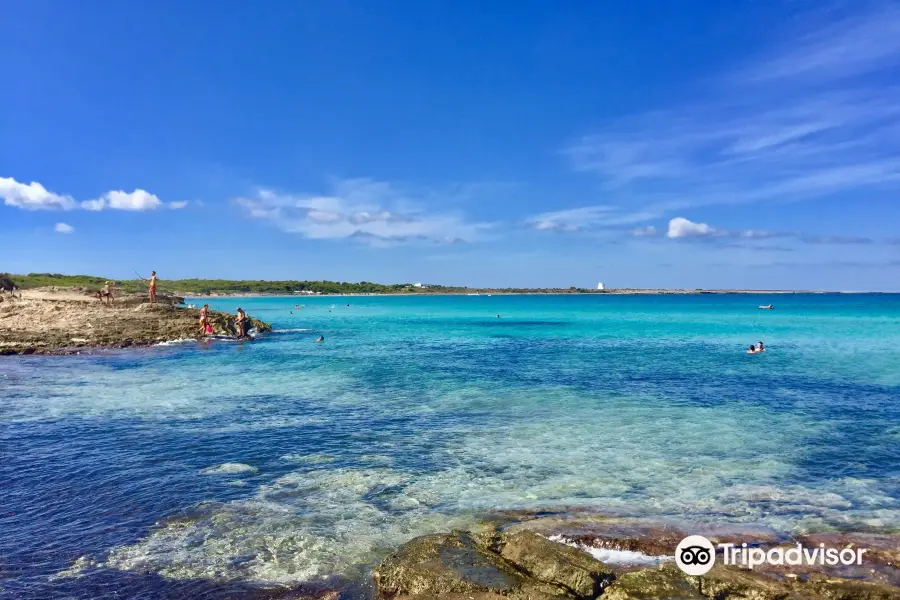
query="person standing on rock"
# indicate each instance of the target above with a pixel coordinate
(205, 328)
(106, 292)
(152, 288)
(241, 322)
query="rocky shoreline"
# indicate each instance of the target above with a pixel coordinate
(585, 556)
(73, 321)
(582, 557)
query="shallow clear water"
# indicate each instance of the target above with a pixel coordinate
(203, 470)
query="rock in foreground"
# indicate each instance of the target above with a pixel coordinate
(527, 566)
(523, 566)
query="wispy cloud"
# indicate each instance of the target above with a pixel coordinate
(836, 239)
(585, 217)
(63, 228)
(846, 46)
(34, 196)
(682, 228)
(373, 212)
(178, 205)
(755, 139)
(648, 231)
(847, 264)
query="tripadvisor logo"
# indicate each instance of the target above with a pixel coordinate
(696, 555)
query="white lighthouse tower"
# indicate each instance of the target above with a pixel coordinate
(600, 286)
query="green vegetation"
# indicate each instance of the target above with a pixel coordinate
(36, 280)
(213, 286)
(206, 286)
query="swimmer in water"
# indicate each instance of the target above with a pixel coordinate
(752, 349)
(321, 338)
(760, 348)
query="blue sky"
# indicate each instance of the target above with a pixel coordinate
(649, 144)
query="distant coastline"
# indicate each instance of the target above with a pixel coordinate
(536, 292)
(212, 288)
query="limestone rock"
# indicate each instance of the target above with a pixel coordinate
(837, 588)
(664, 583)
(732, 582)
(556, 564)
(51, 322)
(440, 564)
(488, 566)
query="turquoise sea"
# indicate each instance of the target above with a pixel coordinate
(210, 470)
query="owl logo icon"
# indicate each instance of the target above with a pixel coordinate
(695, 555)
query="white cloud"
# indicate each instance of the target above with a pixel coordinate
(680, 227)
(373, 212)
(138, 200)
(35, 196)
(31, 196)
(63, 228)
(178, 205)
(648, 231)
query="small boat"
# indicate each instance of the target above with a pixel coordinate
(767, 307)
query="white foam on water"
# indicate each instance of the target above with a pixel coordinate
(229, 468)
(317, 458)
(300, 527)
(81, 564)
(176, 342)
(291, 330)
(614, 557)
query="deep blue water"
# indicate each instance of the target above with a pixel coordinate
(216, 469)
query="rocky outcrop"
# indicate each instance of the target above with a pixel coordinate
(519, 564)
(524, 566)
(68, 322)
